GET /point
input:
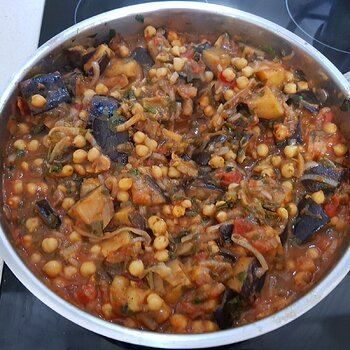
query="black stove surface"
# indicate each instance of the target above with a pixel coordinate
(26, 323)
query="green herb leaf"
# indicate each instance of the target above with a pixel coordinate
(172, 255)
(105, 192)
(191, 213)
(197, 300)
(151, 110)
(55, 168)
(140, 18)
(20, 153)
(134, 172)
(241, 276)
(345, 107)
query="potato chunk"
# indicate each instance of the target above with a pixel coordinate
(272, 76)
(95, 207)
(128, 66)
(213, 56)
(267, 106)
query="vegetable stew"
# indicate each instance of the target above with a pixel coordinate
(176, 183)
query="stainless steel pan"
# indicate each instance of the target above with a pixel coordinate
(191, 17)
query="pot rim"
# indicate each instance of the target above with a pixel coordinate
(146, 338)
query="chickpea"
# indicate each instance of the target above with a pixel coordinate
(166, 209)
(228, 74)
(38, 162)
(120, 282)
(38, 101)
(32, 188)
(178, 64)
(282, 213)
(20, 144)
(162, 255)
(340, 149)
(209, 111)
(14, 201)
(107, 310)
(160, 242)
(149, 32)
(208, 76)
(84, 115)
(313, 253)
(290, 88)
(228, 94)
(125, 183)
(96, 249)
(175, 50)
(67, 170)
(139, 137)
(89, 93)
(156, 172)
(151, 144)
(136, 268)
(35, 258)
(79, 141)
(302, 85)
(217, 162)
(173, 173)
(49, 245)
(221, 216)
(268, 172)
(318, 197)
(75, 237)
(33, 145)
(209, 209)
(178, 211)
(292, 209)
(239, 62)
(123, 196)
(142, 150)
(162, 72)
(93, 154)
(124, 51)
(32, 224)
(154, 302)
(152, 72)
(330, 128)
(70, 271)
(280, 132)
(79, 169)
(276, 161)
(52, 268)
(67, 203)
(247, 71)
(23, 128)
(262, 150)
(27, 241)
(186, 203)
(179, 321)
(157, 225)
(25, 166)
(87, 268)
(79, 156)
(18, 186)
(290, 151)
(242, 82)
(288, 170)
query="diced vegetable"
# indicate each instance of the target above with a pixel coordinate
(51, 86)
(101, 55)
(215, 56)
(267, 106)
(141, 56)
(272, 76)
(126, 66)
(47, 214)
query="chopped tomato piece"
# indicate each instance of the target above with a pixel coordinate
(331, 208)
(86, 293)
(231, 177)
(242, 226)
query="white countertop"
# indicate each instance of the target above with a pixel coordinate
(20, 22)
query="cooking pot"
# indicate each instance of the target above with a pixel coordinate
(210, 20)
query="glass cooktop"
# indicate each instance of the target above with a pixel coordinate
(26, 323)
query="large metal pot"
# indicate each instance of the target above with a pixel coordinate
(205, 19)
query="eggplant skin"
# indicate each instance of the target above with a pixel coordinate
(102, 118)
(51, 86)
(310, 220)
(47, 214)
(142, 57)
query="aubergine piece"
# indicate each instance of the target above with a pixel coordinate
(225, 233)
(245, 280)
(51, 86)
(201, 158)
(229, 310)
(311, 219)
(305, 99)
(156, 188)
(137, 220)
(201, 47)
(297, 136)
(142, 57)
(104, 120)
(46, 213)
(71, 80)
(242, 290)
(101, 55)
(322, 177)
(203, 189)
